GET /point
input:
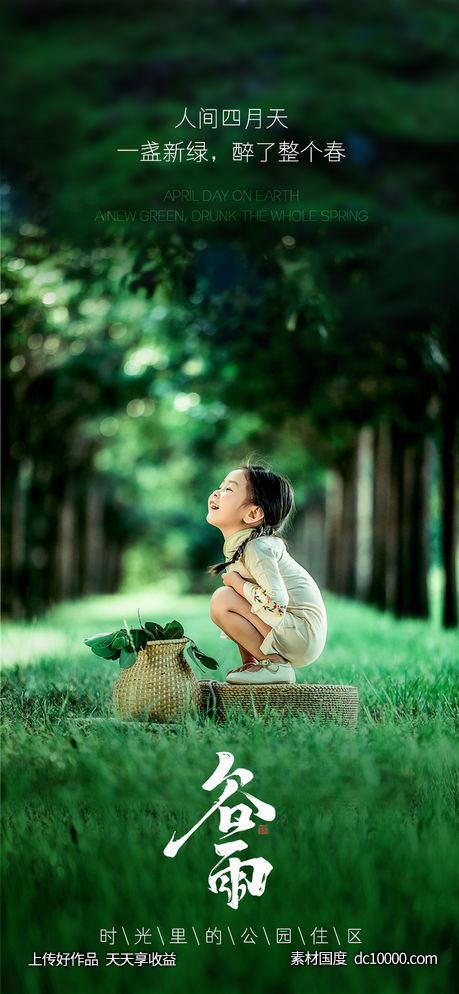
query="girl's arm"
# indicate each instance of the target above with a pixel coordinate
(268, 595)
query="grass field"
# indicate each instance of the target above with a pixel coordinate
(363, 838)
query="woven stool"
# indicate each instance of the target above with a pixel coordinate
(324, 702)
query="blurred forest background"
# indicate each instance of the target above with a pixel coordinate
(142, 362)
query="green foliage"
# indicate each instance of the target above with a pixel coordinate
(126, 642)
(200, 657)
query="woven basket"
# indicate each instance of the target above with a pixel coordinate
(324, 702)
(159, 686)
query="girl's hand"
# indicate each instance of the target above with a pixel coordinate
(234, 579)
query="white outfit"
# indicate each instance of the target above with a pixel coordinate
(283, 594)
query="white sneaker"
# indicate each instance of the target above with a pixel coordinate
(271, 672)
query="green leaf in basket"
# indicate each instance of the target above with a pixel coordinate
(139, 638)
(208, 661)
(156, 630)
(128, 632)
(101, 645)
(200, 657)
(132, 639)
(105, 652)
(120, 641)
(173, 630)
(103, 638)
(127, 658)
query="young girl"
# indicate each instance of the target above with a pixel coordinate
(269, 605)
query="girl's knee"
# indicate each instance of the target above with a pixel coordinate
(217, 601)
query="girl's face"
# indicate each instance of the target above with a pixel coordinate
(228, 508)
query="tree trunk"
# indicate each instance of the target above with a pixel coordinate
(9, 475)
(364, 511)
(449, 476)
(341, 527)
(384, 510)
(307, 541)
(66, 543)
(332, 529)
(18, 539)
(94, 537)
(348, 533)
(411, 598)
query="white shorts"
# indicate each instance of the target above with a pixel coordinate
(300, 639)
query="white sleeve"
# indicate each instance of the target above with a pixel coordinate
(268, 595)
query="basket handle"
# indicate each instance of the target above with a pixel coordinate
(214, 699)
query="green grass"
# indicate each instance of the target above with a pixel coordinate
(364, 834)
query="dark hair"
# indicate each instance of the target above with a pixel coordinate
(274, 494)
